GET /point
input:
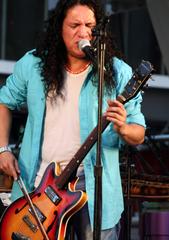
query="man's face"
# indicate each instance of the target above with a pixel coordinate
(77, 25)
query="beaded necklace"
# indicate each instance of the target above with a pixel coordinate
(77, 72)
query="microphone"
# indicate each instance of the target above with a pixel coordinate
(85, 46)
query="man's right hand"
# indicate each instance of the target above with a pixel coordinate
(9, 164)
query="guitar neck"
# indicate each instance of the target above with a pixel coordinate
(70, 169)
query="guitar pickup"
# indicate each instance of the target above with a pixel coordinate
(52, 195)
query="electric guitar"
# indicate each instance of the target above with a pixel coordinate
(56, 199)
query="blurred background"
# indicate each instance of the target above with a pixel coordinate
(141, 31)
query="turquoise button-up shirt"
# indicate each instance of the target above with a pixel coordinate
(25, 86)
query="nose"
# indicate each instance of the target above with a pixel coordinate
(83, 32)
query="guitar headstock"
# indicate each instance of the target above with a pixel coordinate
(137, 82)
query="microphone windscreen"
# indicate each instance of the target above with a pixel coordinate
(83, 43)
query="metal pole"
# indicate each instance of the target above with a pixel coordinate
(3, 34)
(46, 7)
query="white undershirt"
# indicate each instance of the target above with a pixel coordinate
(62, 127)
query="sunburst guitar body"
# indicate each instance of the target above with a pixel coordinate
(54, 207)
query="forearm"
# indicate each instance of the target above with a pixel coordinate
(5, 125)
(132, 133)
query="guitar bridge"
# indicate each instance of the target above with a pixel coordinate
(19, 236)
(29, 223)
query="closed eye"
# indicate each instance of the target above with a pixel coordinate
(90, 25)
(74, 25)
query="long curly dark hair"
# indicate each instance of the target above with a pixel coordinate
(52, 51)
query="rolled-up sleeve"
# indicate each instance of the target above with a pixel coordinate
(134, 113)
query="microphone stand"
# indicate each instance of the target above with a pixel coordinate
(100, 32)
